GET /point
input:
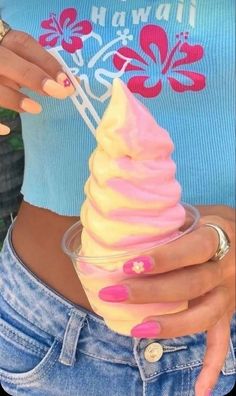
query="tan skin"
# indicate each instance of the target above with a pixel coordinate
(38, 232)
(36, 237)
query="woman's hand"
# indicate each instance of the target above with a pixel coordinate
(183, 270)
(24, 63)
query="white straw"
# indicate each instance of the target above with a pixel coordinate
(83, 104)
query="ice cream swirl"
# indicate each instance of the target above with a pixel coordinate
(132, 196)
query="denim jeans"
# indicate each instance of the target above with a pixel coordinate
(50, 347)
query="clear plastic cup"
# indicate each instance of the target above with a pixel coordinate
(96, 273)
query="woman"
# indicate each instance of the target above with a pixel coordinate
(174, 57)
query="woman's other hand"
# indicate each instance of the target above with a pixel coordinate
(25, 64)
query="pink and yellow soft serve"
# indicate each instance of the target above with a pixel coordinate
(132, 204)
(132, 194)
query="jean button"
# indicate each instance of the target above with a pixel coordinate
(153, 352)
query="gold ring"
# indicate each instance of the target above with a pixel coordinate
(4, 29)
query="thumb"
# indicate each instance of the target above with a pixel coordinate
(216, 350)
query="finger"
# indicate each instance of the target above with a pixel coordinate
(4, 130)
(194, 248)
(28, 75)
(15, 100)
(216, 350)
(226, 212)
(199, 317)
(225, 224)
(25, 46)
(179, 285)
(9, 83)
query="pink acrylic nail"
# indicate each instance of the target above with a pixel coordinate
(139, 265)
(117, 293)
(149, 329)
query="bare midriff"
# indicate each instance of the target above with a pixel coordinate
(36, 237)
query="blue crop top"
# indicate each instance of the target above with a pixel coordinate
(176, 56)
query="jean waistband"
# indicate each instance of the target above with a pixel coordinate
(33, 299)
(43, 307)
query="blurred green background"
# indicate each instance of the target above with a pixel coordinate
(11, 170)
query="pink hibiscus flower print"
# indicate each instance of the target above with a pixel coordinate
(156, 63)
(65, 30)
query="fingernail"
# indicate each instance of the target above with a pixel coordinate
(30, 106)
(149, 329)
(64, 80)
(139, 265)
(117, 293)
(52, 88)
(208, 392)
(4, 130)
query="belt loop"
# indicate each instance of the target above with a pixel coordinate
(71, 337)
